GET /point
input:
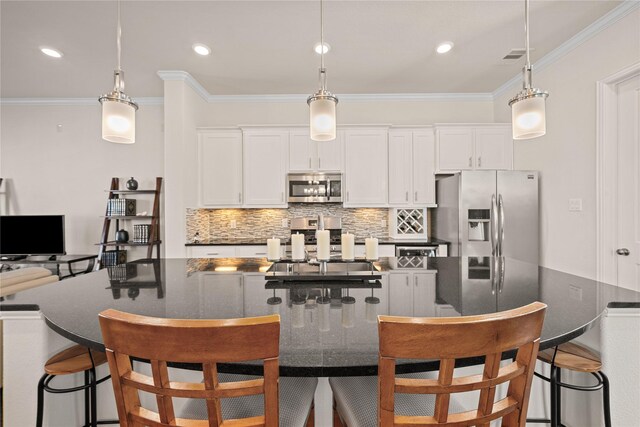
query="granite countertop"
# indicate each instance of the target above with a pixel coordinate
(250, 241)
(238, 287)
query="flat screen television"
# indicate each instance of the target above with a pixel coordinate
(31, 235)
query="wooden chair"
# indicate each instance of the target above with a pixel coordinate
(577, 358)
(206, 342)
(448, 339)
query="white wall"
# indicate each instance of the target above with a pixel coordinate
(48, 171)
(566, 155)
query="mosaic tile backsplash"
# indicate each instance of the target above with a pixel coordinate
(265, 223)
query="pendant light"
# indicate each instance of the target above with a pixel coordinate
(118, 110)
(322, 104)
(528, 106)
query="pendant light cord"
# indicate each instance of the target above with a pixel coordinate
(118, 37)
(323, 74)
(526, 31)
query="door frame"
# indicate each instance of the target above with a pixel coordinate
(606, 171)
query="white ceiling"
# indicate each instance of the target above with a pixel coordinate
(265, 47)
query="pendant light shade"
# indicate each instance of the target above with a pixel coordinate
(528, 116)
(118, 110)
(322, 104)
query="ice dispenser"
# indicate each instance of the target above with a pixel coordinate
(478, 225)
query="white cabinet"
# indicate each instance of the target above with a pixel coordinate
(383, 251)
(221, 295)
(412, 294)
(469, 147)
(220, 168)
(211, 251)
(412, 168)
(253, 251)
(308, 155)
(265, 167)
(366, 163)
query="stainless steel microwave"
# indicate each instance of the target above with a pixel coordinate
(314, 188)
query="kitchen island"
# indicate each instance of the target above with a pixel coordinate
(346, 342)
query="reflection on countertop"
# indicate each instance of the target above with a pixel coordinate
(250, 241)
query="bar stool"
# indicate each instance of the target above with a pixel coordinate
(74, 360)
(575, 358)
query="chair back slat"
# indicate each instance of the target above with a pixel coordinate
(448, 339)
(205, 342)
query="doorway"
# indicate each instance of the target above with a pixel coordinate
(618, 180)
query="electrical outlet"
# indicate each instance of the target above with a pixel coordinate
(383, 222)
(575, 293)
(233, 223)
(575, 205)
(285, 223)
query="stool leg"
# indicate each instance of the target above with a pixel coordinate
(40, 400)
(606, 404)
(94, 403)
(87, 407)
(558, 380)
(554, 399)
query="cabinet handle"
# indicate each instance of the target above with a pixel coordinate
(213, 253)
(406, 196)
(309, 162)
(240, 197)
(470, 160)
(415, 197)
(319, 163)
(407, 280)
(415, 281)
(347, 196)
(260, 253)
(480, 161)
(282, 196)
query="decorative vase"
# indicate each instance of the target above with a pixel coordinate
(122, 236)
(132, 184)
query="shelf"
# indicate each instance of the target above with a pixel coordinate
(131, 191)
(129, 243)
(128, 216)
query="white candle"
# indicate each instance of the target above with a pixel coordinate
(297, 246)
(348, 312)
(273, 249)
(323, 251)
(371, 248)
(348, 246)
(324, 314)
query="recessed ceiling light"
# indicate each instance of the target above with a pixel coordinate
(444, 47)
(201, 49)
(319, 50)
(49, 51)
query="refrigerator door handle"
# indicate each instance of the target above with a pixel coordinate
(494, 226)
(494, 275)
(501, 231)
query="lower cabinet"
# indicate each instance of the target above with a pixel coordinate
(412, 294)
(383, 251)
(221, 295)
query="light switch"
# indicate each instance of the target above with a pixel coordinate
(285, 223)
(575, 205)
(233, 223)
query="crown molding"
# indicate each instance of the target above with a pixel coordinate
(179, 75)
(69, 102)
(558, 53)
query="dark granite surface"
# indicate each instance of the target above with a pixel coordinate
(224, 288)
(252, 241)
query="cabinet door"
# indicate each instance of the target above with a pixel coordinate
(331, 154)
(455, 149)
(366, 168)
(265, 166)
(302, 153)
(253, 251)
(424, 294)
(221, 296)
(220, 168)
(400, 168)
(211, 251)
(494, 148)
(424, 169)
(400, 294)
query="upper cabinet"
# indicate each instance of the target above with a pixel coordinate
(366, 165)
(474, 147)
(265, 167)
(220, 168)
(308, 155)
(411, 168)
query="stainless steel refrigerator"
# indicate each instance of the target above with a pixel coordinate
(489, 213)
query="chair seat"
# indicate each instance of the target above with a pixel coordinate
(357, 398)
(296, 398)
(73, 360)
(574, 357)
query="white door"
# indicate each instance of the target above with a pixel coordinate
(424, 294)
(455, 149)
(220, 168)
(330, 154)
(366, 163)
(400, 173)
(400, 294)
(301, 151)
(494, 148)
(265, 166)
(628, 212)
(424, 169)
